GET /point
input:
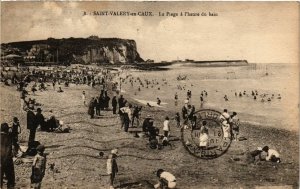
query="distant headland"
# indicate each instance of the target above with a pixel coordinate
(73, 51)
(91, 50)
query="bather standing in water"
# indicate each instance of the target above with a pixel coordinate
(158, 101)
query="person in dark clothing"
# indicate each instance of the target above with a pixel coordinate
(52, 124)
(184, 112)
(95, 102)
(21, 85)
(121, 102)
(42, 86)
(254, 156)
(201, 100)
(148, 122)
(249, 157)
(153, 140)
(60, 90)
(153, 132)
(23, 97)
(53, 84)
(127, 115)
(176, 99)
(33, 89)
(158, 101)
(16, 130)
(38, 167)
(177, 119)
(190, 112)
(88, 80)
(102, 99)
(24, 93)
(40, 120)
(112, 167)
(98, 105)
(7, 164)
(136, 114)
(31, 125)
(114, 104)
(101, 92)
(91, 110)
(107, 99)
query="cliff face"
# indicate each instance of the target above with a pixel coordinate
(81, 50)
(122, 52)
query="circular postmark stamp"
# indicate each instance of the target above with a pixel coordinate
(207, 136)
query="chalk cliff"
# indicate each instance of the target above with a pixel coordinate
(80, 50)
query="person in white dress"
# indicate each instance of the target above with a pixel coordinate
(203, 138)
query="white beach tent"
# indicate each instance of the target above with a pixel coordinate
(12, 56)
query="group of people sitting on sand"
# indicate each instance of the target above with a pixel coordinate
(156, 141)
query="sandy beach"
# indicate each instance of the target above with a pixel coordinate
(78, 164)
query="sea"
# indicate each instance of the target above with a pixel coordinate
(273, 80)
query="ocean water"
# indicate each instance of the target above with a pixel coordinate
(219, 81)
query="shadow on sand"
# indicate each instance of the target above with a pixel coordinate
(144, 184)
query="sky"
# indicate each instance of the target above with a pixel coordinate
(260, 32)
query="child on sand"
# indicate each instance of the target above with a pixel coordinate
(60, 90)
(176, 99)
(166, 179)
(166, 129)
(272, 155)
(235, 125)
(112, 167)
(226, 98)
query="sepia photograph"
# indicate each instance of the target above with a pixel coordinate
(149, 95)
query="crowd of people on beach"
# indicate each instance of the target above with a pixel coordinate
(129, 116)
(77, 75)
(39, 80)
